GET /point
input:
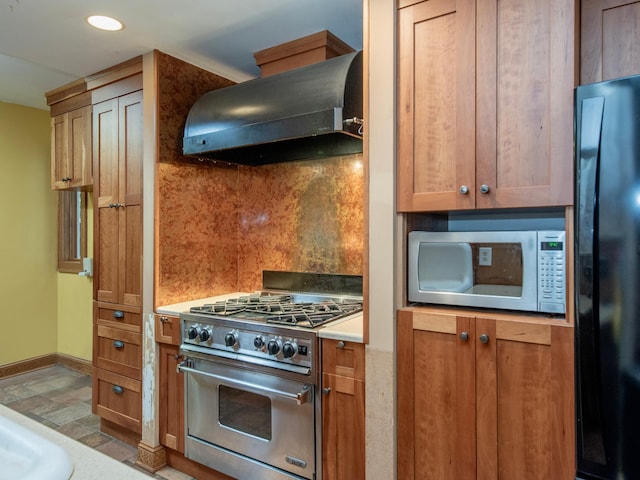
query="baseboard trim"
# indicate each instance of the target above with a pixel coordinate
(44, 361)
(74, 363)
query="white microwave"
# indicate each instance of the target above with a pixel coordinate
(518, 270)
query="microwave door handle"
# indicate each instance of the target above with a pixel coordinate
(301, 397)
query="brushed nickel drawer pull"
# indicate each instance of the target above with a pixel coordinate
(119, 344)
(118, 390)
(118, 314)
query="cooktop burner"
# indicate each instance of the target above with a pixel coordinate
(284, 309)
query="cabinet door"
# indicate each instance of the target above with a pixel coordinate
(343, 414)
(130, 195)
(171, 399)
(71, 163)
(610, 40)
(436, 105)
(105, 158)
(525, 80)
(524, 400)
(343, 442)
(436, 396)
(118, 197)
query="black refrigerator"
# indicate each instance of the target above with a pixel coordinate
(607, 279)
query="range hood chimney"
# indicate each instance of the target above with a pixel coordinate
(313, 111)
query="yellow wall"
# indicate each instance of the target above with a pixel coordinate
(43, 311)
(75, 305)
(28, 241)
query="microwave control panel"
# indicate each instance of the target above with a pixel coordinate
(552, 269)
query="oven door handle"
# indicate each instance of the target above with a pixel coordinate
(300, 397)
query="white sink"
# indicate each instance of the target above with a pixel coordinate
(25, 455)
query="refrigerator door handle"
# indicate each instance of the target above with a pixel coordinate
(590, 118)
(589, 154)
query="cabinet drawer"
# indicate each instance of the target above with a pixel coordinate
(119, 351)
(118, 399)
(120, 316)
(343, 358)
(167, 329)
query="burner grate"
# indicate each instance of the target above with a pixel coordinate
(281, 309)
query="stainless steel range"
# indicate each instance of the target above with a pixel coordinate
(252, 375)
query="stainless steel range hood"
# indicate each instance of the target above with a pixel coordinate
(310, 112)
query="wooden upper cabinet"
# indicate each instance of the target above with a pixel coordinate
(118, 199)
(485, 112)
(71, 162)
(436, 105)
(610, 40)
(526, 76)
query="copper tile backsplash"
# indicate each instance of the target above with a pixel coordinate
(219, 228)
(301, 216)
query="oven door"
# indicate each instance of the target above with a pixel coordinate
(248, 416)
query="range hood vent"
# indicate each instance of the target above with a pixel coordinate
(310, 112)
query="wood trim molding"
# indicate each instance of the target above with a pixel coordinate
(27, 365)
(43, 361)
(151, 458)
(78, 364)
(115, 73)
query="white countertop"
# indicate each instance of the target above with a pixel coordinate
(349, 329)
(88, 464)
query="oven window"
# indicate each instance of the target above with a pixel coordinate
(245, 412)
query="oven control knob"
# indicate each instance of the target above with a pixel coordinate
(192, 333)
(289, 349)
(258, 342)
(230, 339)
(273, 347)
(204, 335)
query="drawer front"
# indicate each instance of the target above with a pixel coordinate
(119, 351)
(118, 399)
(167, 329)
(120, 316)
(343, 358)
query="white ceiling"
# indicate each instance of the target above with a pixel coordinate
(45, 44)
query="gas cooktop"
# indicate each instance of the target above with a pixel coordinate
(300, 310)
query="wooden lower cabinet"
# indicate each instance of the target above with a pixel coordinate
(343, 411)
(171, 399)
(117, 361)
(171, 421)
(485, 398)
(118, 399)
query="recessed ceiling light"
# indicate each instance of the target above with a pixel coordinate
(105, 23)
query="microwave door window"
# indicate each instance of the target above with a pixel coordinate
(497, 269)
(445, 267)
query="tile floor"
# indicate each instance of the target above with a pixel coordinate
(61, 399)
